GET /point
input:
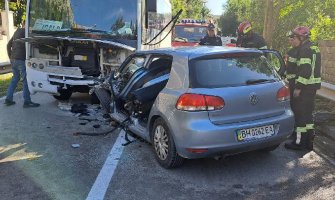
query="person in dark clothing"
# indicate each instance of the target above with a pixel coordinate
(17, 53)
(308, 81)
(247, 38)
(290, 71)
(211, 39)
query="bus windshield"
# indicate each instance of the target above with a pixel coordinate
(103, 18)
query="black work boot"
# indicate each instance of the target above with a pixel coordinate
(9, 102)
(294, 146)
(30, 104)
(310, 140)
(293, 136)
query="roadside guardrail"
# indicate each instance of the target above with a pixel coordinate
(327, 91)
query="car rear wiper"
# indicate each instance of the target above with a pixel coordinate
(255, 81)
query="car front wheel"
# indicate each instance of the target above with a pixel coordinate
(164, 146)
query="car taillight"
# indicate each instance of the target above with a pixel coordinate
(199, 102)
(283, 94)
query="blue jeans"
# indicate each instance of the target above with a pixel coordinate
(19, 70)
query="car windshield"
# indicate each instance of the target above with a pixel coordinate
(189, 33)
(231, 70)
(103, 18)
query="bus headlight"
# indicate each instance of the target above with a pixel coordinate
(41, 66)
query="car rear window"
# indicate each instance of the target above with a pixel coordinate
(230, 70)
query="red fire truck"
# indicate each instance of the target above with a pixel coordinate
(189, 32)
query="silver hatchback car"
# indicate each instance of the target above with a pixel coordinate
(202, 101)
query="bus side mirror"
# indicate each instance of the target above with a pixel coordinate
(150, 6)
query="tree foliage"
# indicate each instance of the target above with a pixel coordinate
(19, 9)
(192, 9)
(319, 15)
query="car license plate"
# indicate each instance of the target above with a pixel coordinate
(255, 133)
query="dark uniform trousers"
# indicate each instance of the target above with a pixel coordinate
(303, 111)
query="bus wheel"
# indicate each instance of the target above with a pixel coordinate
(64, 94)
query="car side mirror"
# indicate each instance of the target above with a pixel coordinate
(233, 41)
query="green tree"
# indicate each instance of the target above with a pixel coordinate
(19, 9)
(284, 15)
(192, 9)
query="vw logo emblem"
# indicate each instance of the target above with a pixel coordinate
(253, 99)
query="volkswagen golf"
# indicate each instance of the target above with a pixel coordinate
(202, 101)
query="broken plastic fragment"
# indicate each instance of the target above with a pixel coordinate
(75, 145)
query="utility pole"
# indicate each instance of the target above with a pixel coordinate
(270, 21)
(7, 20)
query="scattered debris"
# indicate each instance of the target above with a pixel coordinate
(82, 123)
(65, 106)
(75, 145)
(96, 126)
(79, 108)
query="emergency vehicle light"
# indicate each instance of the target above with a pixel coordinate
(192, 21)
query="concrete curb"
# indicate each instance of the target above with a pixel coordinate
(16, 93)
(328, 85)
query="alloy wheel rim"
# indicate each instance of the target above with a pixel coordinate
(161, 142)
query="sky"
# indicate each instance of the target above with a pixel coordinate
(215, 6)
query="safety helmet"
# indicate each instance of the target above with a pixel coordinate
(244, 28)
(301, 31)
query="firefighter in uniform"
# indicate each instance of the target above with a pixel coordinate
(211, 39)
(247, 38)
(308, 81)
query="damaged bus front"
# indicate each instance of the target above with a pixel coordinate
(74, 44)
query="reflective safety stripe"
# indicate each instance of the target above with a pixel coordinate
(290, 76)
(304, 61)
(301, 129)
(293, 60)
(297, 141)
(308, 81)
(309, 126)
(315, 48)
(247, 30)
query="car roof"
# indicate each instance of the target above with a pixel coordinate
(198, 51)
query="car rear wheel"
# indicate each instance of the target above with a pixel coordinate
(64, 94)
(164, 146)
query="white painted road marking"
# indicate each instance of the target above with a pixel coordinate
(101, 184)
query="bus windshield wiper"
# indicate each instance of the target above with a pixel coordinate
(71, 30)
(256, 81)
(180, 39)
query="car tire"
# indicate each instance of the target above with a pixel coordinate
(164, 146)
(64, 94)
(270, 148)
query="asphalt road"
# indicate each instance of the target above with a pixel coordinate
(37, 161)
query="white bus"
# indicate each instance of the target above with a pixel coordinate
(73, 45)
